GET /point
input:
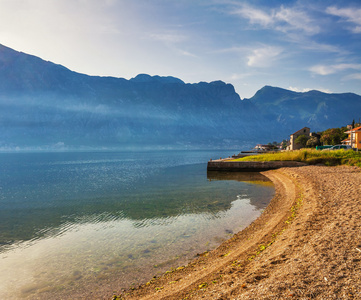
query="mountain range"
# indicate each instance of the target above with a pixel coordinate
(45, 106)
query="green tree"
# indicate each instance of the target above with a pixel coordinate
(333, 136)
(313, 142)
(284, 145)
(273, 146)
(302, 140)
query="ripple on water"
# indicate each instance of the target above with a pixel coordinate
(83, 224)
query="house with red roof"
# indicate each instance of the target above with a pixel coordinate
(354, 138)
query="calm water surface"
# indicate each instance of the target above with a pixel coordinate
(82, 225)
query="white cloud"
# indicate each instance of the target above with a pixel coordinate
(172, 40)
(168, 37)
(264, 57)
(318, 47)
(305, 90)
(355, 76)
(185, 53)
(298, 90)
(322, 70)
(282, 19)
(352, 15)
(357, 29)
(331, 69)
(255, 16)
(230, 50)
(296, 20)
(236, 76)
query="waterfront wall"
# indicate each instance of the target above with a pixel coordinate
(249, 166)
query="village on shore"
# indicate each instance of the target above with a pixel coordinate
(348, 137)
(344, 138)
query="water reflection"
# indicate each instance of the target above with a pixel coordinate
(252, 178)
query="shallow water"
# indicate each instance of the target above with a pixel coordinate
(75, 224)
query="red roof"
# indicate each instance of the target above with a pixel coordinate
(354, 130)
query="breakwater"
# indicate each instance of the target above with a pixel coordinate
(249, 166)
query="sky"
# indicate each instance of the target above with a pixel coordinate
(297, 45)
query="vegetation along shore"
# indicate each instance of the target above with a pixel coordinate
(305, 245)
(311, 157)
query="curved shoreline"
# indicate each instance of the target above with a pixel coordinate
(306, 244)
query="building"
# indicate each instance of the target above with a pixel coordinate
(261, 148)
(354, 138)
(293, 145)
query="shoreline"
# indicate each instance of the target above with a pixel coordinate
(306, 244)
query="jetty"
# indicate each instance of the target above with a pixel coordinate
(227, 165)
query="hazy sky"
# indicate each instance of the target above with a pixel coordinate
(298, 45)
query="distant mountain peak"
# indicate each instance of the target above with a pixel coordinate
(156, 78)
(270, 93)
(269, 88)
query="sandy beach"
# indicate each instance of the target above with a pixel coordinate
(305, 245)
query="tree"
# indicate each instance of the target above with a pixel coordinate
(273, 146)
(302, 140)
(333, 136)
(313, 142)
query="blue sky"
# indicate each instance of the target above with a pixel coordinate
(298, 45)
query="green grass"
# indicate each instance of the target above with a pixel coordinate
(311, 156)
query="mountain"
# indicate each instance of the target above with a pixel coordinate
(314, 109)
(47, 106)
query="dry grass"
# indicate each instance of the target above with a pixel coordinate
(311, 156)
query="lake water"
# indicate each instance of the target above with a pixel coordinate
(85, 225)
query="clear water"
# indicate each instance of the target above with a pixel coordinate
(84, 225)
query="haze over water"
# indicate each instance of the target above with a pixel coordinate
(76, 224)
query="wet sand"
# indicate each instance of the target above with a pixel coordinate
(305, 245)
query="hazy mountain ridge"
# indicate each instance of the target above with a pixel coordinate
(47, 105)
(314, 109)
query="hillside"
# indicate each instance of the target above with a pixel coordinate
(314, 109)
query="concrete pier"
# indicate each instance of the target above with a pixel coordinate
(250, 166)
